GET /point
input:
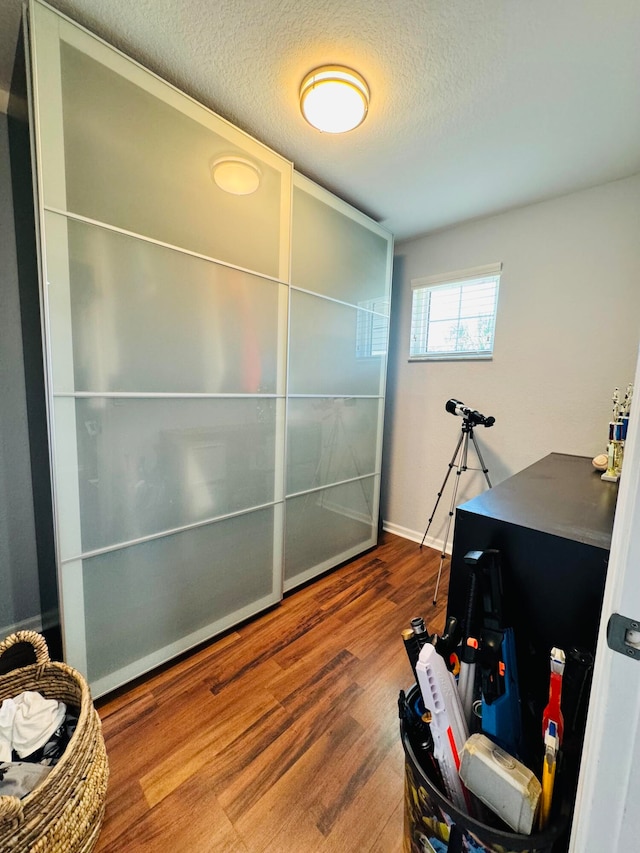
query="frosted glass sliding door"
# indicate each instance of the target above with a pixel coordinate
(339, 322)
(337, 251)
(167, 593)
(129, 314)
(323, 526)
(331, 439)
(325, 356)
(167, 434)
(147, 465)
(215, 357)
(165, 305)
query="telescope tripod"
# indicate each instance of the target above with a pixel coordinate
(459, 462)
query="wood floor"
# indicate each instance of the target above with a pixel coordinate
(280, 736)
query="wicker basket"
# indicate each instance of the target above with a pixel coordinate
(64, 813)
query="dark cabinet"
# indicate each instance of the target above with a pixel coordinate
(552, 524)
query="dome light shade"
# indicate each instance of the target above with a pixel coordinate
(334, 99)
(235, 175)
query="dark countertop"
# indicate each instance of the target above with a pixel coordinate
(560, 494)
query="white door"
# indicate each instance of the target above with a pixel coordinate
(607, 817)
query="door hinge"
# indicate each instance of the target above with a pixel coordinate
(623, 635)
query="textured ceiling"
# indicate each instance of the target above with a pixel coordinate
(477, 106)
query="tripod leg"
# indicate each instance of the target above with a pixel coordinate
(462, 466)
(452, 465)
(485, 470)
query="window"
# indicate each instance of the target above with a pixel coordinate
(454, 315)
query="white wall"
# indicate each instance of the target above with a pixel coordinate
(567, 333)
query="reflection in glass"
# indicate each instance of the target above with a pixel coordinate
(146, 466)
(323, 525)
(324, 354)
(329, 440)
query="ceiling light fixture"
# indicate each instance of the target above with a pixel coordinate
(334, 99)
(236, 175)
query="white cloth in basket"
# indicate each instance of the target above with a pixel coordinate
(7, 715)
(34, 720)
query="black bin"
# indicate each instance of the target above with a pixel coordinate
(433, 824)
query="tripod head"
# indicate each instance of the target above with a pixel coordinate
(472, 417)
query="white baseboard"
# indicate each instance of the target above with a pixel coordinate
(414, 536)
(33, 623)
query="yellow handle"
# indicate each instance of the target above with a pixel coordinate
(548, 779)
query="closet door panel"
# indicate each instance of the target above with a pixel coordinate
(151, 465)
(138, 155)
(165, 303)
(329, 348)
(336, 251)
(141, 317)
(144, 602)
(329, 440)
(328, 526)
(339, 324)
(185, 366)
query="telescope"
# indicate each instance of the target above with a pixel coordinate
(472, 416)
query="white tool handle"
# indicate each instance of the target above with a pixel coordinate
(448, 726)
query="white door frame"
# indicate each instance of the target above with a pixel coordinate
(605, 816)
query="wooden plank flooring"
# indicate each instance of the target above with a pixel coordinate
(281, 736)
